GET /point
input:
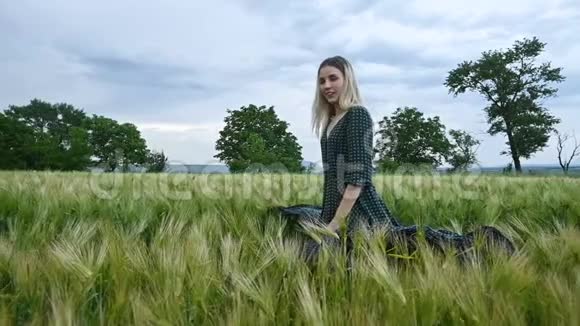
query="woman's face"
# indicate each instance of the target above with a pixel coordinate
(331, 82)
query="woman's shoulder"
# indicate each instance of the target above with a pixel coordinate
(359, 111)
(358, 107)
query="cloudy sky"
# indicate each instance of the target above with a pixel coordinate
(174, 67)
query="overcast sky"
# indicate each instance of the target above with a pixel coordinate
(173, 67)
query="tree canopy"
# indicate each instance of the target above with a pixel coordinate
(45, 136)
(513, 84)
(255, 137)
(464, 150)
(408, 138)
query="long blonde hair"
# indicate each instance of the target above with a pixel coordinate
(348, 98)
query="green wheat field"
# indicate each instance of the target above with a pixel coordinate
(178, 249)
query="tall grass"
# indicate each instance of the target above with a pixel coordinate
(135, 249)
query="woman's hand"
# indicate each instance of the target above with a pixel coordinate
(350, 196)
(333, 226)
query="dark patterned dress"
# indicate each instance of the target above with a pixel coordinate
(347, 154)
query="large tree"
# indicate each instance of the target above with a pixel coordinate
(514, 85)
(255, 136)
(54, 135)
(116, 145)
(407, 137)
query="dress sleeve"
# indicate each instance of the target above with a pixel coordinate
(359, 151)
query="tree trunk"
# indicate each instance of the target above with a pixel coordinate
(517, 164)
(513, 148)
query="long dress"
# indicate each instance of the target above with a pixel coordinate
(347, 153)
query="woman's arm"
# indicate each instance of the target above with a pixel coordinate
(351, 194)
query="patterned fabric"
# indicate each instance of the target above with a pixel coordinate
(405, 237)
(347, 155)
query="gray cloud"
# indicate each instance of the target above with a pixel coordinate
(124, 71)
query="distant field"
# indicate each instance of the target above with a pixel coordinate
(173, 249)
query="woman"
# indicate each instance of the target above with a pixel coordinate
(347, 150)
(350, 199)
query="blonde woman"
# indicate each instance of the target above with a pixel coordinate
(345, 128)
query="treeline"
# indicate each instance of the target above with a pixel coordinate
(45, 136)
(256, 139)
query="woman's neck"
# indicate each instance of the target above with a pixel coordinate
(335, 110)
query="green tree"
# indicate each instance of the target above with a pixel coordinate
(408, 138)
(513, 84)
(55, 133)
(255, 136)
(15, 137)
(116, 145)
(157, 161)
(41, 135)
(464, 149)
(102, 140)
(132, 146)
